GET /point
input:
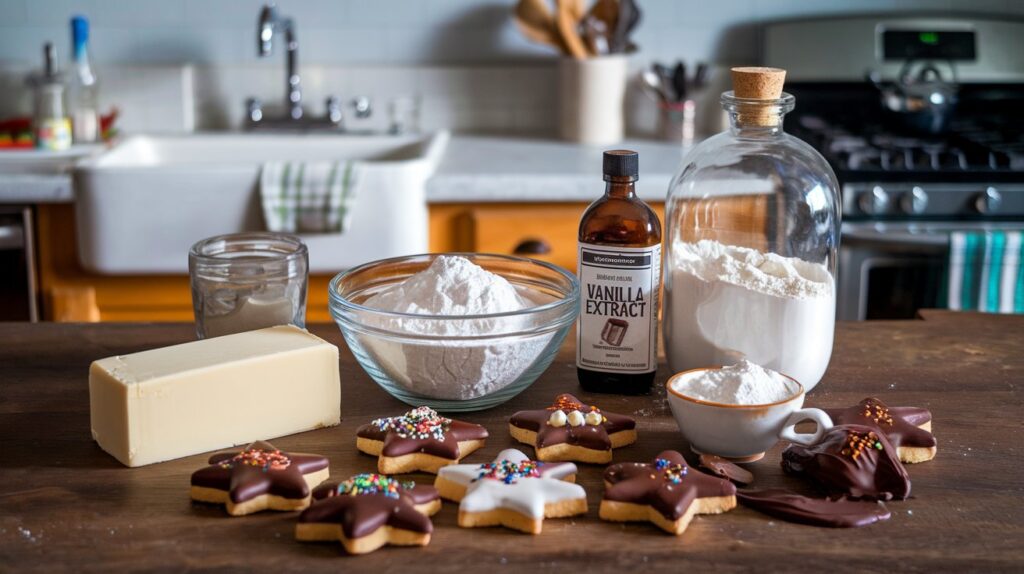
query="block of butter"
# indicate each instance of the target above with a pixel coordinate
(205, 395)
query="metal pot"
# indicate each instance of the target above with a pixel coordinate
(923, 101)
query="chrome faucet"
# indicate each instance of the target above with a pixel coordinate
(271, 26)
(269, 31)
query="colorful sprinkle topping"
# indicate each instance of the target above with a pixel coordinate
(856, 443)
(269, 460)
(372, 483)
(877, 413)
(509, 472)
(673, 473)
(420, 423)
(564, 403)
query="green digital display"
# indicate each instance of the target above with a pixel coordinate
(953, 45)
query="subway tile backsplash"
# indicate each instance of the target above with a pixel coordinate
(465, 59)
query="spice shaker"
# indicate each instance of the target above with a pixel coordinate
(51, 124)
(752, 232)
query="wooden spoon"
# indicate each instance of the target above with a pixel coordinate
(568, 25)
(537, 23)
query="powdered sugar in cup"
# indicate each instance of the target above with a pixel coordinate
(738, 412)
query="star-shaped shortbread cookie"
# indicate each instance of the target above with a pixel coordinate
(907, 428)
(667, 492)
(368, 511)
(512, 491)
(420, 439)
(260, 477)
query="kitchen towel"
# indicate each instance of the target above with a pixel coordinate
(308, 197)
(985, 271)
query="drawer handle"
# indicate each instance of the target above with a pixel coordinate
(532, 247)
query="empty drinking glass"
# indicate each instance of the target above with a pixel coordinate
(246, 281)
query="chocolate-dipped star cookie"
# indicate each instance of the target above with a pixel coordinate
(260, 477)
(907, 428)
(420, 439)
(571, 430)
(368, 511)
(856, 461)
(667, 492)
(512, 491)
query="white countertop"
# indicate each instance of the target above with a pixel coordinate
(493, 168)
(40, 176)
(473, 169)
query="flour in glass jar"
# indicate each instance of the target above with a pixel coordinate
(725, 303)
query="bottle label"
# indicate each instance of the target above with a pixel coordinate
(619, 290)
(53, 134)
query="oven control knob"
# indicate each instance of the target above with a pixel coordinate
(874, 202)
(988, 201)
(914, 202)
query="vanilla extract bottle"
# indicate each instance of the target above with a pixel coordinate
(619, 271)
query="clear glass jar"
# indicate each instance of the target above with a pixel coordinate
(246, 281)
(752, 232)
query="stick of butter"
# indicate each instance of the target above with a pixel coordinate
(205, 395)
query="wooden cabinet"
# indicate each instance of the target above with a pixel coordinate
(545, 231)
(541, 231)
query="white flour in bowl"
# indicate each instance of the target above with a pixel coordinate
(741, 384)
(726, 303)
(454, 286)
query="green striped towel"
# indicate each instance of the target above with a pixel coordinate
(986, 271)
(308, 197)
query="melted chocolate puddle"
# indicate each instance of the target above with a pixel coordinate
(787, 505)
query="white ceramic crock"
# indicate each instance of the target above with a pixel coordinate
(742, 432)
(591, 99)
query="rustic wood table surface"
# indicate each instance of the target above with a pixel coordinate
(67, 505)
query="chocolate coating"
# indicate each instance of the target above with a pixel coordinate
(900, 424)
(594, 437)
(418, 494)
(362, 514)
(869, 472)
(726, 469)
(397, 445)
(644, 483)
(245, 482)
(793, 507)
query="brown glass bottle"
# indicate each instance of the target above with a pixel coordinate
(620, 282)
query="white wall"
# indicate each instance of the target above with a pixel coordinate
(401, 31)
(465, 58)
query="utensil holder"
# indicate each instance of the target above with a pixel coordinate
(591, 97)
(676, 121)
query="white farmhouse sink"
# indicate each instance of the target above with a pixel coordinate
(141, 205)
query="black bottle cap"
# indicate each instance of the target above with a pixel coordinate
(621, 163)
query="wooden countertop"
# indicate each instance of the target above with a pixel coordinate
(67, 505)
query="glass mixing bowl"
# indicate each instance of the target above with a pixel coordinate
(455, 362)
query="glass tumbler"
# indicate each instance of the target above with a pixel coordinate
(246, 281)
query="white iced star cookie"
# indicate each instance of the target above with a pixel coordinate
(513, 491)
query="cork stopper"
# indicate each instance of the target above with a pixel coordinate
(756, 83)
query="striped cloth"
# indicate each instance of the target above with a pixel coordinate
(985, 271)
(308, 197)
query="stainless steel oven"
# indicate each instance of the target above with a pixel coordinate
(18, 301)
(904, 188)
(889, 270)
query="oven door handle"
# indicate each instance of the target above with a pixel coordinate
(896, 236)
(12, 236)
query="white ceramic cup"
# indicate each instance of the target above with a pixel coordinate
(742, 432)
(592, 94)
